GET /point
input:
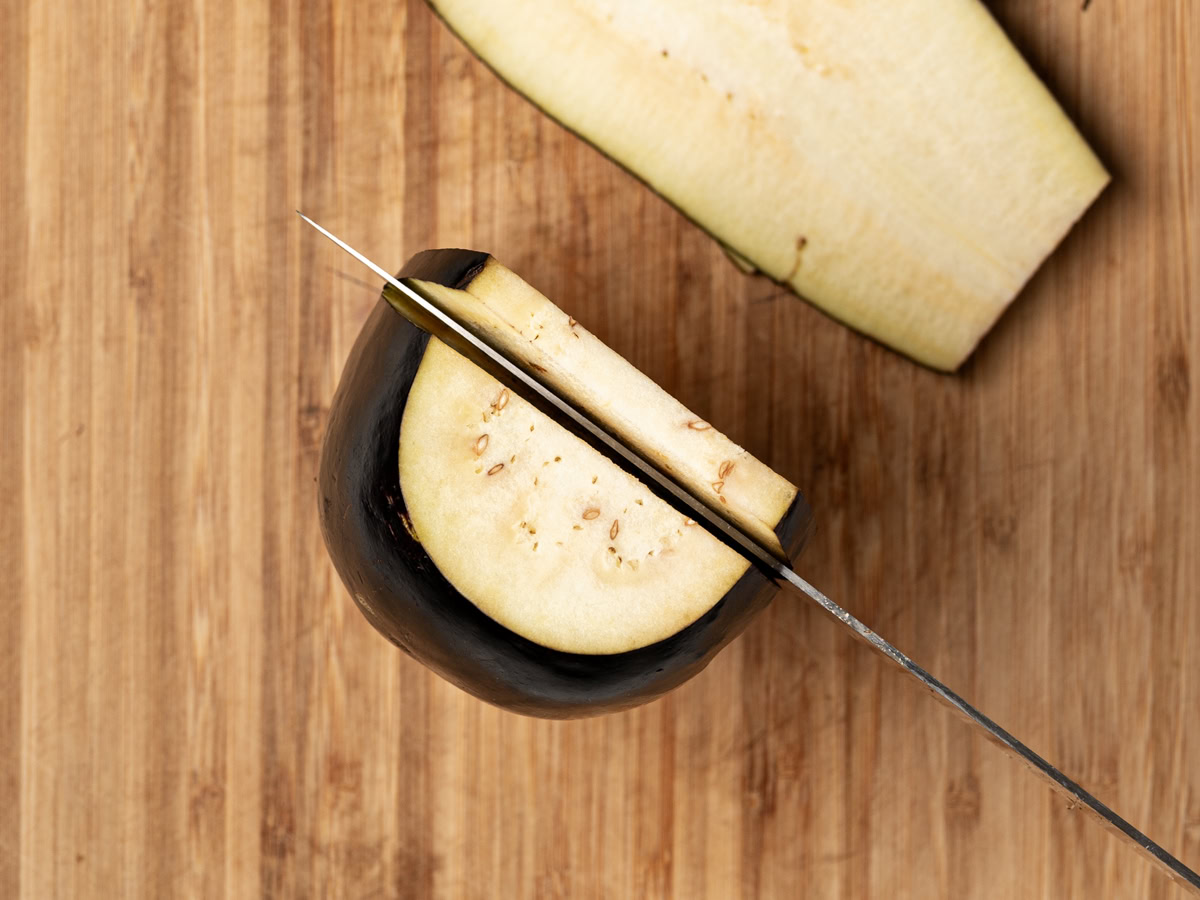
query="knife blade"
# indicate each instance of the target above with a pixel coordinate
(407, 298)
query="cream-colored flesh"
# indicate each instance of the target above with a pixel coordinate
(540, 531)
(600, 380)
(897, 163)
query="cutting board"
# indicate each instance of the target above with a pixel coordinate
(194, 708)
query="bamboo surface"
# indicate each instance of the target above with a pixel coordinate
(193, 707)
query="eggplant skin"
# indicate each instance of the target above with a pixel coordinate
(408, 600)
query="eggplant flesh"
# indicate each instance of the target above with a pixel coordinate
(543, 533)
(897, 164)
(375, 541)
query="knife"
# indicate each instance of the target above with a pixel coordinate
(408, 299)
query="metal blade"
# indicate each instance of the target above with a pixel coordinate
(425, 314)
(1173, 867)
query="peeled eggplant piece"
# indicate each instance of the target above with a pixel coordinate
(897, 164)
(500, 550)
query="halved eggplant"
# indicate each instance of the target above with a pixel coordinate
(898, 164)
(501, 551)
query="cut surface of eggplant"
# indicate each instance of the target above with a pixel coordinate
(524, 567)
(897, 164)
(540, 531)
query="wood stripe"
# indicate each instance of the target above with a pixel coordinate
(14, 112)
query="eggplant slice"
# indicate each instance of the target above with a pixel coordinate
(897, 164)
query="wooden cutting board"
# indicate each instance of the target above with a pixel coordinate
(193, 707)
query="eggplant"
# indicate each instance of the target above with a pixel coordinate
(897, 164)
(584, 617)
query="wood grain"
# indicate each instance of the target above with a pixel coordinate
(193, 707)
